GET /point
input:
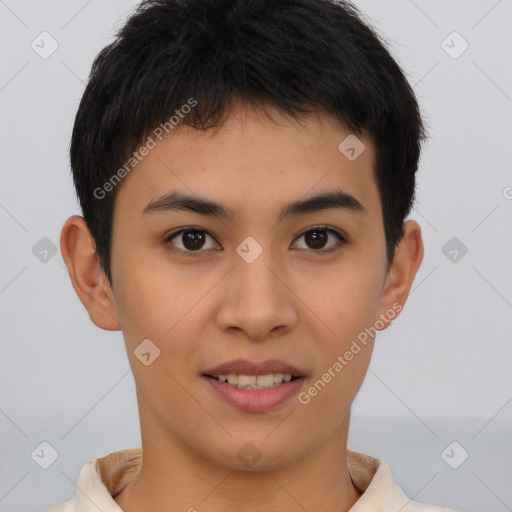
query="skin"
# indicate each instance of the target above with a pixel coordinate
(291, 303)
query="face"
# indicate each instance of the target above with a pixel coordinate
(252, 284)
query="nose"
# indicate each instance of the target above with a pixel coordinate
(257, 300)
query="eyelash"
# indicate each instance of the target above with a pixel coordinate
(342, 240)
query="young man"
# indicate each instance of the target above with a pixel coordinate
(245, 168)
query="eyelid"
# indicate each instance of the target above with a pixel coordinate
(342, 238)
(324, 227)
(167, 239)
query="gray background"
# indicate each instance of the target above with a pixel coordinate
(440, 374)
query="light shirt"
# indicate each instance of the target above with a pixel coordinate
(105, 477)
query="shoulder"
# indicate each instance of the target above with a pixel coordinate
(100, 479)
(379, 492)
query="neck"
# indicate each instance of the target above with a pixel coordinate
(174, 477)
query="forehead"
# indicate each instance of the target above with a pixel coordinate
(256, 161)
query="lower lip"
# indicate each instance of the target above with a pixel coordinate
(256, 400)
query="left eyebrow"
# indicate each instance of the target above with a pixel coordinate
(178, 201)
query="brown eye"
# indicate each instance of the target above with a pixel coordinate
(317, 238)
(193, 242)
(190, 240)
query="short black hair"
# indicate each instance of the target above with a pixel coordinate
(300, 56)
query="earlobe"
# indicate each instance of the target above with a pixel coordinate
(401, 274)
(87, 277)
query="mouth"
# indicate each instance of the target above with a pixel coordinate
(245, 374)
(252, 386)
(265, 381)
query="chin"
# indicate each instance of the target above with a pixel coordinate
(255, 454)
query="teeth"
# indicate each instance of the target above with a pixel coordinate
(241, 381)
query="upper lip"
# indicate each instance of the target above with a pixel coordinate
(246, 367)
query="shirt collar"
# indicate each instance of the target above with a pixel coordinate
(103, 478)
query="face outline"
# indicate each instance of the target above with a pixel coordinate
(290, 303)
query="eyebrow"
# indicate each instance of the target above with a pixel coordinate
(178, 201)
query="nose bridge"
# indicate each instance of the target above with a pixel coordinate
(255, 269)
(257, 301)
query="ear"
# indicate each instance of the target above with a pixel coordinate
(88, 279)
(402, 271)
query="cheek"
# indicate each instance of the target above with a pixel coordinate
(144, 306)
(152, 295)
(151, 308)
(347, 301)
(342, 356)
(347, 306)
(166, 306)
(327, 399)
